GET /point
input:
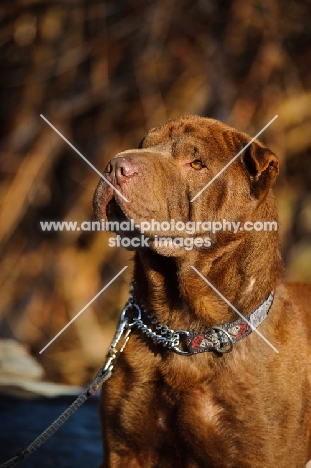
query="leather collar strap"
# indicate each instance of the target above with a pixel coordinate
(218, 338)
(223, 337)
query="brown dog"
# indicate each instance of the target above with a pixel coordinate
(249, 407)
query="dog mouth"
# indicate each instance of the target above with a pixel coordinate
(118, 222)
(118, 219)
(114, 212)
(135, 231)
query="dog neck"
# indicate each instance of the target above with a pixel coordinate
(244, 272)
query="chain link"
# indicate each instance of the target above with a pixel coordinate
(164, 335)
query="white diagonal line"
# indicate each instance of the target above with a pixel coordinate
(233, 159)
(235, 309)
(82, 310)
(83, 157)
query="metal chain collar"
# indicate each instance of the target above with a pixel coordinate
(163, 335)
(217, 338)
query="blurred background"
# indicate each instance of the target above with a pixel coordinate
(104, 73)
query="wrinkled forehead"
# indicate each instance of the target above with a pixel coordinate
(192, 127)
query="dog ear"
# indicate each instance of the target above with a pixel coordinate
(262, 166)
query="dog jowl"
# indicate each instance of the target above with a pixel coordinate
(248, 407)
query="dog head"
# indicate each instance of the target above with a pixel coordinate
(189, 170)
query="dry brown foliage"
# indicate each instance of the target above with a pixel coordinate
(103, 73)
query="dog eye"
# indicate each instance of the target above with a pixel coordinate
(197, 164)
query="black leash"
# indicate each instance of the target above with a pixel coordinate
(124, 328)
(45, 435)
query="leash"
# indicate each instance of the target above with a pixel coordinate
(123, 331)
(218, 338)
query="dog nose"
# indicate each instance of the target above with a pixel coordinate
(121, 169)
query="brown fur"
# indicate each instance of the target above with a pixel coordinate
(250, 407)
